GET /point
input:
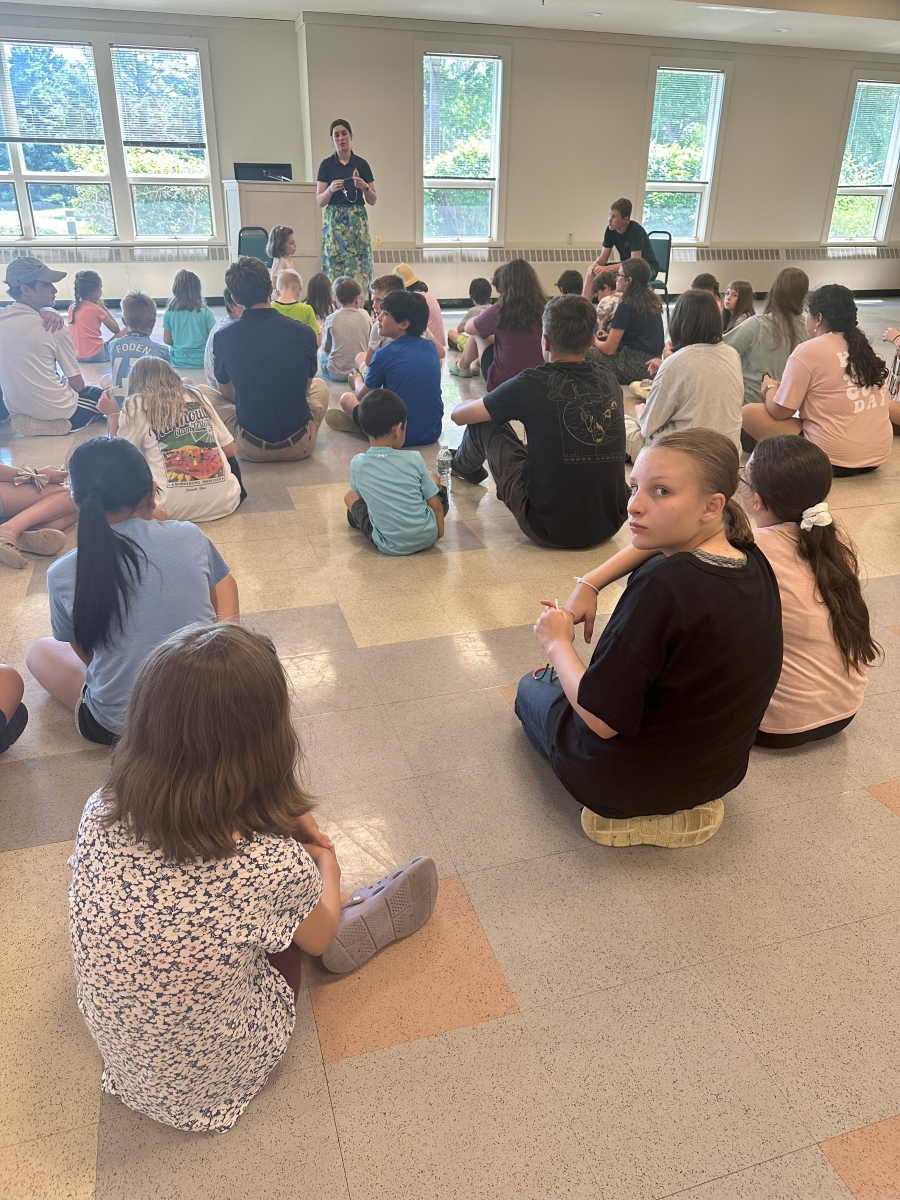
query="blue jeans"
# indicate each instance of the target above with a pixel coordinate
(100, 356)
(533, 700)
(324, 360)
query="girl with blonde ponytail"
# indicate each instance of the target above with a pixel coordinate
(658, 728)
(828, 643)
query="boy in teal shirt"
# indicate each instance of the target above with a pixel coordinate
(288, 286)
(394, 500)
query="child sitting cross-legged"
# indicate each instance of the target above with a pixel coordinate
(394, 500)
(139, 315)
(288, 289)
(346, 333)
(199, 874)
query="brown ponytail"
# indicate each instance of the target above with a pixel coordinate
(790, 474)
(718, 463)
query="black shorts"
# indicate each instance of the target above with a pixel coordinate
(89, 727)
(358, 516)
(86, 408)
(786, 741)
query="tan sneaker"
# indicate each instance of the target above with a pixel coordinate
(687, 827)
(336, 418)
(32, 427)
(9, 554)
(49, 542)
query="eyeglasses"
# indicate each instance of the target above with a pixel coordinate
(745, 482)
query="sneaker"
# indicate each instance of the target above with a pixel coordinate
(463, 372)
(49, 542)
(336, 418)
(10, 555)
(385, 912)
(640, 389)
(687, 827)
(15, 727)
(478, 476)
(31, 427)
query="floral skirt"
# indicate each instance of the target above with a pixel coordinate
(346, 244)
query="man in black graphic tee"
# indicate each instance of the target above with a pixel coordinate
(566, 488)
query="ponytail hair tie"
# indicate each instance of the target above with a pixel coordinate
(817, 514)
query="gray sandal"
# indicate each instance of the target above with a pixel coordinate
(388, 910)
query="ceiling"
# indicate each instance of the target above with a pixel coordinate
(839, 24)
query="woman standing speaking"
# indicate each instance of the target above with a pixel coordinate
(344, 187)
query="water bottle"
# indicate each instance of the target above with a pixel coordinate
(444, 463)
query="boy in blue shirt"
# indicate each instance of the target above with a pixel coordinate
(139, 317)
(408, 366)
(393, 500)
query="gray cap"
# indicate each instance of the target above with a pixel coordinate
(30, 270)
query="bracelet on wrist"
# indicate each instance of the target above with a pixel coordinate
(587, 583)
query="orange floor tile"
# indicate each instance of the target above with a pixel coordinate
(443, 977)
(888, 794)
(868, 1159)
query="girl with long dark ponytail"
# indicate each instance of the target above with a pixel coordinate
(835, 381)
(828, 642)
(132, 582)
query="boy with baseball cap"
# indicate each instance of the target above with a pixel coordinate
(33, 341)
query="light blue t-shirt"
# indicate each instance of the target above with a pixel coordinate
(182, 565)
(396, 486)
(190, 329)
(124, 351)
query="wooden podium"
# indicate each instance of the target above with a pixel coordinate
(252, 202)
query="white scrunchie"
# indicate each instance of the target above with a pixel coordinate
(818, 514)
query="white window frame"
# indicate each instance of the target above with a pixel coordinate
(705, 188)
(886, 190)
(117, 177)
(470, 49)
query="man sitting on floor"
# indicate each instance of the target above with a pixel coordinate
(265, 365)
(566, 488)
(33, 340)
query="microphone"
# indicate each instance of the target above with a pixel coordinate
(276, 178)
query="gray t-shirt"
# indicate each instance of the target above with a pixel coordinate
(182, 566)
(346, 334)
(699, 386)
(762, 351)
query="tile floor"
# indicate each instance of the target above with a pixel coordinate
(716, 1024)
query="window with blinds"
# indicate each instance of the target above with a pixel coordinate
(869, 165)
(54, 172)
(683, 132)
(57, 179)
(461, 147)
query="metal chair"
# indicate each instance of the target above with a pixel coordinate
(661, 241)
(252, 240)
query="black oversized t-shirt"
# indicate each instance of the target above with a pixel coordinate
(332, 168)
(641, 331)
(634, 238)
(574, 474)
(683, 672)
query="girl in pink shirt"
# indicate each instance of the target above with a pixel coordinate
(835, 381)
(87, 316)
(827, 639)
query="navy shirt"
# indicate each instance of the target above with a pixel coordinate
(332, 168)
(410, 367)
(634, 238)
(270, 359)
(641, 331)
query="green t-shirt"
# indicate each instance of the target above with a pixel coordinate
(299, 312)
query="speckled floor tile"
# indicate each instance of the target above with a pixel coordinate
(337, 681)
(313, 629)
(43, 798)
(440, 734)
(662, 1089)
(468, 1113)
(868, 1160)
(443, 977)
(801, 1175)
(34, 901)
(343, 748)
(888, 794)
(62, 1166)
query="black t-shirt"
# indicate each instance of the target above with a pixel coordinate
(683, 671)
(270, 359)
(634, 238)
(574, 474)
(641, 331)
(332, 168)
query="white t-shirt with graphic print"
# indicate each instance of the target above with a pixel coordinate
(171, 968)
(187, 463)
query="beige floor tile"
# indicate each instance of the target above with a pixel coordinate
(49, 1065)
(405, 619)
(334, 682)
(802, 1175)
(276, 555)
(661, 1087)
(888, 794)
(465, 1114)
(868, 1160)
(497, 607)
(318, 497)
(63, 1166)
(262, 590)
(33, 620)
(34, 903)
(875, 530)
(821, 1010)
(443, 977)
(51, 726)
(255, 527)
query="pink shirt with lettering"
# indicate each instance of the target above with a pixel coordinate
(850, 423)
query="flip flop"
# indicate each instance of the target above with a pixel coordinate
(48, 542)
(384, 912)
(9, 553)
